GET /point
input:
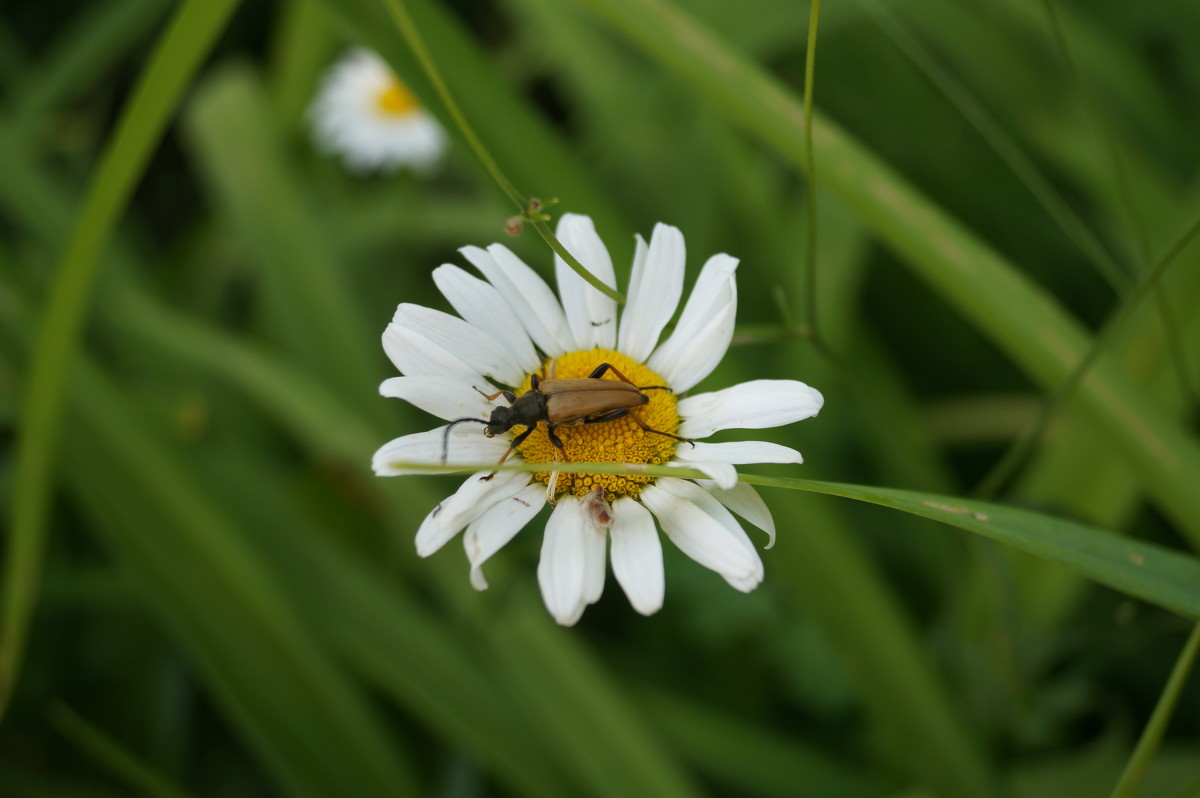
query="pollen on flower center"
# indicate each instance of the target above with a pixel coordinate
(396, 100)
(619, 440)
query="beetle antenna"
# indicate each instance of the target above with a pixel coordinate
(446, 434)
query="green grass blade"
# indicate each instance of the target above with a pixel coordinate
(192, 33)
(1152, 736)
(1025, 322)
(1148, 571)
(111, 755)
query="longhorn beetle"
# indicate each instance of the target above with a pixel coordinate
(561, 403)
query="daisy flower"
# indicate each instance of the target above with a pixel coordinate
(510, 328)
(365, 114)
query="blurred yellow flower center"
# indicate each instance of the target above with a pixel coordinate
(396, 100)
(619, 440)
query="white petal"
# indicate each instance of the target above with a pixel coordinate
(591, 314)
(416, 355)
(744, 500)
(474, 497)
(466, 446)
(470, 344)
(699, 355)
(654, 290)
(750, 405)
(444, 397)
(482, 305)
(705, 327)
(563, 567)
(527, 294)
(737, 452)
(704, 530)
(595, 564)
(495, 528)
(722, 474)
(637, 559)
(478, 494)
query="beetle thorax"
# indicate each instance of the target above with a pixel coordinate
(619, 440)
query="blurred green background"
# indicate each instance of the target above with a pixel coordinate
(229, 603)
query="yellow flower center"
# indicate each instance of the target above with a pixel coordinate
(396, 100)
(619, 440)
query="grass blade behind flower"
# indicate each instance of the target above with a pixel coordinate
(192, 33)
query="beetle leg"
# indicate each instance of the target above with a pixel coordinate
(628, 411)
(599, 371)
(517, 441)
(554, 438)
(509, 395)
(646, 427)
(609, 416)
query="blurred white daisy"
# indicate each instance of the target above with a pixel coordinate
(365, 114)
(512, 327)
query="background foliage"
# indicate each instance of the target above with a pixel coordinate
(226, 602)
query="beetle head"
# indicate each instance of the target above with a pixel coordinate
(501, 421)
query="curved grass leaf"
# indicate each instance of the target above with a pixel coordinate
(192, 33)
(1148, 571)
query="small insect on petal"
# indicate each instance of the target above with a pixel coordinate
(598, 509)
